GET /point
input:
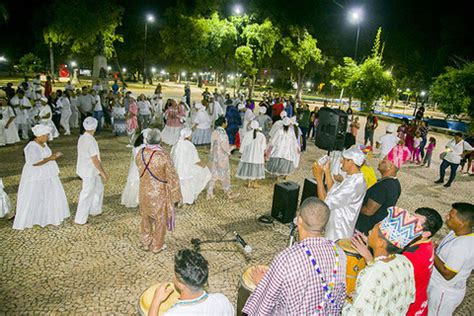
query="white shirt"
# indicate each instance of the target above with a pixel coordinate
(387, 142)
(214, 305)
(87, 148)
(97, 87)
(202, 119)
(345, 200)
(144, 107)
(253, 150)
(456, 150)
(66, 105)
(45, 110)
(35, 153)
(457, 253)
(98, 104)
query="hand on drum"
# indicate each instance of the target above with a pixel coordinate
(162, 292)
(359, 242)
(257, 274)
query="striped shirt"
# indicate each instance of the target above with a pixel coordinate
(292, 286)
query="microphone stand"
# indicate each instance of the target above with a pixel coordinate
(198, 242)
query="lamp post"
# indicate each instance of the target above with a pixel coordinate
(149, 18)
(237, 9)
(355, 17)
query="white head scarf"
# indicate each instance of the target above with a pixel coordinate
(90, 123)
(286, 121)
(283, 114)
(40, 129)
(241, 106)
(255, 125)
(185, 133)
(262, 110)
(199, 106)
(145, 134)
(355, 154)
(44, 99)
(391, 128)
(294, 121)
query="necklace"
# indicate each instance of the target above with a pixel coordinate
(194, 301)
(380, 258)
(327, 286)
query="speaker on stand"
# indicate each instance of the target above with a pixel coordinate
(331, 130)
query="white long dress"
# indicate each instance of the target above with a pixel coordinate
(10, 134)
(252, 161)
(202, 133)
(130, 192)
(41, 198)
(66, 113)
(5, 204)
(284, 153)
(45, 110)
(248, 117)
(192, 177)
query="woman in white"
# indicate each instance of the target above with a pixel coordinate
(5, 204)
(284, 151)
(192, 177)
(8, 129)
(277, 125)
(175, 117)
(74, 119)
(41, 199)
(202, 126)
(248, 117)
(157, 103)
(252, 162)
(130, 192)
(145, 112)
(45, 118)
(65, 112)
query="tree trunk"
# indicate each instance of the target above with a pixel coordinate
(51, 60)
(299, 88)
(252, 86)
(117, 64)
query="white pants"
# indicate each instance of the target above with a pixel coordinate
(65, 115)
(443, 301)
(90, 199)
(74, 119)
(24, 128)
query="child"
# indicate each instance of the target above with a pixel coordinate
(429, 152)
(416, 148)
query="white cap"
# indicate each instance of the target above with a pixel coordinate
(286, 121)
(90, 123)
(263, 109)
(254, 125)
(241, 106)
(391, 128)
(185, 133)
(41, 129)
(283, 114)
(355, 154)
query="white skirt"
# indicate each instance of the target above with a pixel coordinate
(194, 183)
(250, 171)
(5, 205)
(130, 193)
(170, 134)
(202, 136)
(40, 202)
(11, 134)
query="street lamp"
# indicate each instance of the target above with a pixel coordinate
(109, 68)
(355, 17)
(237, 9)
(149, 19)
(124, 70)
(3, 59)
(73, 64)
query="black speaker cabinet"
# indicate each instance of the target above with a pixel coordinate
(331, 131)
(309, 189)
(285, 201)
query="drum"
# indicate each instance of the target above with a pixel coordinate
(355, 263)
(146, 298)
(247, 286)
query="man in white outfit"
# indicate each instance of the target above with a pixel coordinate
(387, 141)
(89, 168)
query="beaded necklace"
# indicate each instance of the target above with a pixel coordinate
(327, 287)
(194, 301)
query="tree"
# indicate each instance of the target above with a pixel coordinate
(30, 63)
(260, 41)
(300, 47)
(84, 24)
(454, 89)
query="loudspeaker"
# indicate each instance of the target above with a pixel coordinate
(285, 201)
(309, 189)
(331, 131)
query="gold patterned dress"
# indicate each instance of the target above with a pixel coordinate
(159, 192)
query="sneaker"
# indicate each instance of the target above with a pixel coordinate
(447, 185)
(439, 181)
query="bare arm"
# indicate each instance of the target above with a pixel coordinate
(442, 269)
(98, 166)
(370, 208)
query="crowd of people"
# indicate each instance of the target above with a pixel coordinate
(406, 272)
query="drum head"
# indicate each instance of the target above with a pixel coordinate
(147, 297)
(346, 245)
(247, 281)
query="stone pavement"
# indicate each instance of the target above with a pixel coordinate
(99, 268)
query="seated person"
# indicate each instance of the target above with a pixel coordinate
(295, 283)
(190, 276)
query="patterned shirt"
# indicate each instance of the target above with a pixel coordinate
(384, 288)
(292, 286)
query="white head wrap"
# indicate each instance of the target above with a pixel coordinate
(283, 114)
(134, 97)
(286, 121)
(254, 125)
(391, 128)
(263, 110)
(199, 106)
(44, 99)
(241, 106)
(90, 123)
(40, 129)
(145, 134)
(294, 121)
(355, 154)
(185, 133)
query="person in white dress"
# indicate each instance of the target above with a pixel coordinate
(252, 162)
(89, 168)
(157, 103)
(192, 177)
(74, 119)
(130, 193)
(41, 199)
(248, 117)
(5, 204)
(65, 112)
(145, 112)
(214, 109)
(277, 125)
(8, 130)
(264, 120)
(201, 126)
(22, 107)
(45, 118)
(284, 151)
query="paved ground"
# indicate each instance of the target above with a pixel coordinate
(99, 268)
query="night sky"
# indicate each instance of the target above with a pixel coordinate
(420, 35)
